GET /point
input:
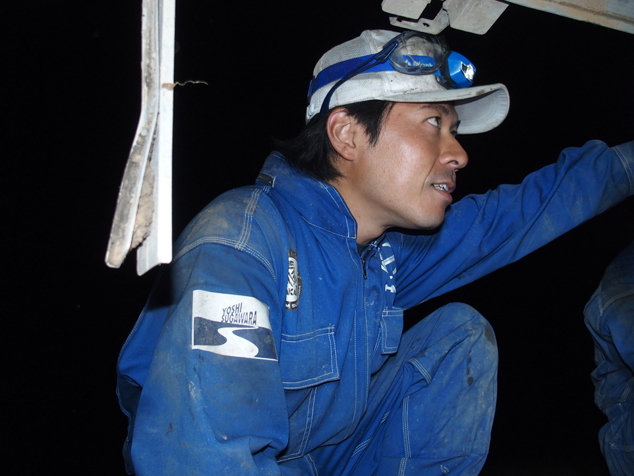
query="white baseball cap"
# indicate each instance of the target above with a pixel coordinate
(479, 108)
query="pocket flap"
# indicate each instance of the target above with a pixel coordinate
(391, 330)
(308, 359)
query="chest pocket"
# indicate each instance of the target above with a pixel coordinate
(391, 330)
(308, 359)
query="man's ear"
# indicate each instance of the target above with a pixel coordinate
(345, 133)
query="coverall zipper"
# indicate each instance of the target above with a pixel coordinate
(371, 246)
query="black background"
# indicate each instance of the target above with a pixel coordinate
(70, 105)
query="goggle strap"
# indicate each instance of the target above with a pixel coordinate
(337, 71)
(377, 59)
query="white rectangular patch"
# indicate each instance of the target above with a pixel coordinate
(232, 325)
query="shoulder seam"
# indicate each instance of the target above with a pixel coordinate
(241, 244)
(238, 245)
(248, 218)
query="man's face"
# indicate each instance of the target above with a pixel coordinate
(407, 177)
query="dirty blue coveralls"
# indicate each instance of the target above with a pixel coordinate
(273, 345)
(609, 315)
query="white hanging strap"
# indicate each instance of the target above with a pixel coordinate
(144, 207)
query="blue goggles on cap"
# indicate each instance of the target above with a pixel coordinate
(409, 53)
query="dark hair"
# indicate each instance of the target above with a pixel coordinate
(311, 150)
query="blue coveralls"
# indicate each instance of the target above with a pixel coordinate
(271, 346)
(609, 315)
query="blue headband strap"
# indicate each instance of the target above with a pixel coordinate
(337, 71)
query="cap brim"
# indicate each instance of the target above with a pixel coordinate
(479, 108)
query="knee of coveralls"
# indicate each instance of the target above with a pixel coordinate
(443, 421)
(617, 444)
(611, 329)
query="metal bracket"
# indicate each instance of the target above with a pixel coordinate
(474, 16)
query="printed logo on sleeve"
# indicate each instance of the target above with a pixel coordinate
(232, 325)
(294, 284)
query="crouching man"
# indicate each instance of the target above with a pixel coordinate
(274, 342)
